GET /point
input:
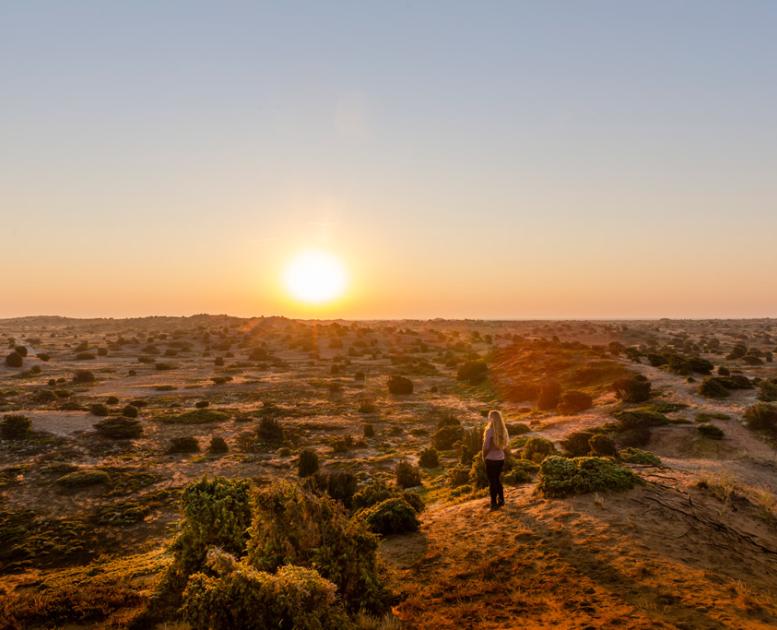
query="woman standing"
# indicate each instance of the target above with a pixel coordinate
(495, 441)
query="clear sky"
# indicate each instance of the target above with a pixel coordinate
(463, 159)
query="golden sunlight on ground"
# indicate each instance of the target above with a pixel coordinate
(315, 277)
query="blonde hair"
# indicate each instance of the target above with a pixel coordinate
(500, 437)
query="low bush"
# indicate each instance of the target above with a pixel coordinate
(549, 396)
(473, 372)
(21, 350)
(710, 431)
(392, 516)
(129, 411)
(196, 416)
(761, 417)
(186, 444)
(270, 431)
(371, 493)
(98, 409)
(294, 526)
(633, 389)
(15, 427)
(537, 449)
(449, 431)
(400, 385)
(638, 456)
(767, 391)
(367, 406)
(242, 597)
(713, 387)
(458, 475)
(415, 500)
(83, 478)
(602, 445)
(577, 443)
(340, 485)
(407, 475)
(83, 377)
(368, 431)
(640, 417)
(218, 445)
(14, 360)
(561, 477)
(428, 458)
(202, 404)
(85, 356)
(308, 463)
(573, 402)
(119, 428)
(520, 471)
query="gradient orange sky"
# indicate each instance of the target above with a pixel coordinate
(485, 160)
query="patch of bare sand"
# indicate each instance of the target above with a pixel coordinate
(659, 556)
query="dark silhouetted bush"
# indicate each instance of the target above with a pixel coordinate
(407, 475)
(202, 404)
(83, 376)
(98, 409)
(573, 402)
(550, 396)
(713, 387)
(308, 463)
(473, 372)
(15, 427)
(561, 477)
(577, 443)
(270, 431)
(130, 411)
(119, 428)
(767, 391)
(400, 385)
(186, 444)
(634, 389)
(392, 516)
(710, 431)
(83, 478)
(85, 356)
(428, 458)
(218, 445)
(368, 431)
(762, 417)
(14, 360)
(602, 445)
(371, 493)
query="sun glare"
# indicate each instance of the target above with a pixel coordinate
(315, 277)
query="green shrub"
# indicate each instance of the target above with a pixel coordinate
(602, 445)
(573, 402)
(216, 513)
(415, 500)
(371, 493)
(428, 458)
(407, 475)
(218, 445)
(473, 372)
(537, 449)
(294, 526)
(561, 477)
(640, 418)
(119, 428)
(14, 360)
(293, 598)
(392, 516)
(633, 389)
(308, 463)
(577, 443)
(470, 444)
(186, 444)
(638, 456)
(520, 471)
(761, 417)
(340, 485)
(550, 396)
(710, 431)
(15, 427)
(477, 473)
(83, 478)
(400, 385)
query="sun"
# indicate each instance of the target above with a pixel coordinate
(315, 277)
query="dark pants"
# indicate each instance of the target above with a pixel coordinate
(494, 472)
